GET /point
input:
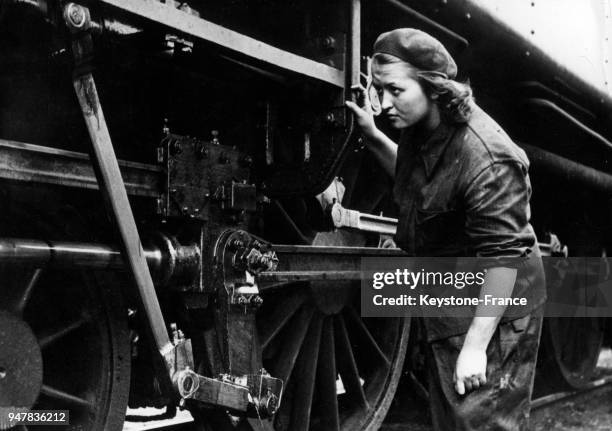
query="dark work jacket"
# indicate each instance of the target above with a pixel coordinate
(464, 191)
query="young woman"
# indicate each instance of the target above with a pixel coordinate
(462, 189)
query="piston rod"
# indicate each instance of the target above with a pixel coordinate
(167, 260)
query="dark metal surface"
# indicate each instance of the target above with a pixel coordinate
(436, 27)
(569, 118)
(571, 171)
(169, 261)
(46, 165)
(174, 18)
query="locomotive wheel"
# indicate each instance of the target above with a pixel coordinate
(340, 370)
(64, 341)
(570, 345)
(64, 346)
(570, 350)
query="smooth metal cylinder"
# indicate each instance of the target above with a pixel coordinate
(167, 263)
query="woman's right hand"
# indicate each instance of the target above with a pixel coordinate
(363, 114)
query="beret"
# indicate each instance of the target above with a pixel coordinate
(418, 48)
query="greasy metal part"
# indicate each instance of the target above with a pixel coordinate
(112, 186)
(41, 6)
(573, 172)
(47, 165)
(318, 263)
(212, 391)
(240, 257)
(199, 173)
(169, 16)
(173, 263)
(343, 217)
(428, 22)
(566, 116)
(265, 278)
(354, 46)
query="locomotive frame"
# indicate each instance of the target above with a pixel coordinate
(211, 265)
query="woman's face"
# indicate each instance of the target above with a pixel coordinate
(401, 96)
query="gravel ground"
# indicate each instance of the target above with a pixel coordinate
(591, 411)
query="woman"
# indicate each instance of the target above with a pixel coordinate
(462, 189)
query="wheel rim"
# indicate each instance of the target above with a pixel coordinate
(570, 345)
(75, 336)
(340, 371)
(78, 324)
(575, 344)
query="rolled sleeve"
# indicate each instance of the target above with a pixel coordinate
(497, 214)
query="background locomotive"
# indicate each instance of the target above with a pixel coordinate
(228, 124)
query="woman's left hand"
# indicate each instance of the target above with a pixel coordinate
(470, 370)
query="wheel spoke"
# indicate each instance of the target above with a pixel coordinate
(46, 339)
(294, 341)
(326, 378)
(60, 395)
(27, 292)
(306, 368)
(283, 312)
(347, 366)
(367, 335)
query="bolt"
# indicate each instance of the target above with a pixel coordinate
(468, 16)
(76, 15)
(257, 300)
(328, 42)
(330, 118)
(215, 137)
(2, 372)
(202, 152)
(236, 244)
(176, 148)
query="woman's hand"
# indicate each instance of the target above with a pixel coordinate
(470, 370)
(363, 112)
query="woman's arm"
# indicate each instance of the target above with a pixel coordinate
(471, 368)
(497, 220)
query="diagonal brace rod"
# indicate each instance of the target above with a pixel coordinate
(117, 204)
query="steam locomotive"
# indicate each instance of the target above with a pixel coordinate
(167, 173)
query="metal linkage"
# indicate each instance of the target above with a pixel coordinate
(343, 217)
(46, 165)
(199, 28)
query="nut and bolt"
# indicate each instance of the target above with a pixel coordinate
(330, 117)
(257, 300)
(76, 15)
(242, 300)
(328, 42)
(176, 148)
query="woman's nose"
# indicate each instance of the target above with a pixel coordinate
(385, 101)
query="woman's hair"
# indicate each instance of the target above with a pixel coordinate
(455, 99)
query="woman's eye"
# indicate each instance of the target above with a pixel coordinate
(396, 91)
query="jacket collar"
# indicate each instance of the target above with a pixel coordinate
(433, 147)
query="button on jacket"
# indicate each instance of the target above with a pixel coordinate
(465, 191)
